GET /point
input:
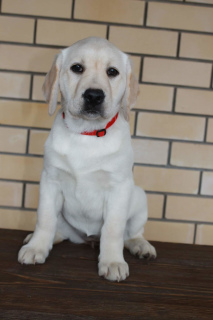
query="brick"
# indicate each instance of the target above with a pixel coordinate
(155, 205)
(170, 126)
(207, 183)
(201, 1)
(16, 29)
(37, 93)
(63, 33)
(144, 40)
(209, 137)
(192, 155)
(59, 9)
(132, 122)
(37, 141)
(169, 231)
(26, 58)
(11, 194)
(175, 16)
(17, 219)
(194, 101)
(31, 196)
(152, 97)
(196, 46)
(185, 73)
(13, 140)
(119, 11)
(189, 208)
(21, 113)
(20, 167)
(150, 151)
(13, 85)
(204, 234)
(167, 180)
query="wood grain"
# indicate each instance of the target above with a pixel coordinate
(177, 285)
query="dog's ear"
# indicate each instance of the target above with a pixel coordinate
(132, 90)
(51, 84)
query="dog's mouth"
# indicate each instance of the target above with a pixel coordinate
(91, 114)
(88, 115)
(91, 111)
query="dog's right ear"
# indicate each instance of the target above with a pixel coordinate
(131, 92)
(51, 84)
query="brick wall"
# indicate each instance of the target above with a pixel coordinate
(171, 43)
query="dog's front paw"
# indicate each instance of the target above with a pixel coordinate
(31, 255)
(141, 248)
(113, 271)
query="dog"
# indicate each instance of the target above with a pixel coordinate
(87, 188)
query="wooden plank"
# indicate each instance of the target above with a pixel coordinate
(177, 285)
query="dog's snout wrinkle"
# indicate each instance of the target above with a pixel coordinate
(93, 97)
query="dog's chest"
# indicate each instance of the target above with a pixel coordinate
(85, 201)
(76, 155)
(87, 170)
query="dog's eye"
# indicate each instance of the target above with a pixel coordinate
(112, 72)
(77, 68)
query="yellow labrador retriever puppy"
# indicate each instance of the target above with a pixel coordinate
(87, 186)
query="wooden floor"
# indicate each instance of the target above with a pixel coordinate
(177, 285)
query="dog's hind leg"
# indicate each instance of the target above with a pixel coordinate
(58, 238)
(133, 238)
(64, 231)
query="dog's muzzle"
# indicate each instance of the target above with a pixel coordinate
(93, 100)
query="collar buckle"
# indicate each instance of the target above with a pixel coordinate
(101, 133)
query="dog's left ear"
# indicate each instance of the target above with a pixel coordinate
(51, 84)
(132, 90)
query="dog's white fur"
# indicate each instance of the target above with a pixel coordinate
(87, 185)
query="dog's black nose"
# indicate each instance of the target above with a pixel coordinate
(94, 97)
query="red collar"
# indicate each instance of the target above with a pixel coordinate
(101, 132)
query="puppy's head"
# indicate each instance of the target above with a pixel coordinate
(95, 80)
